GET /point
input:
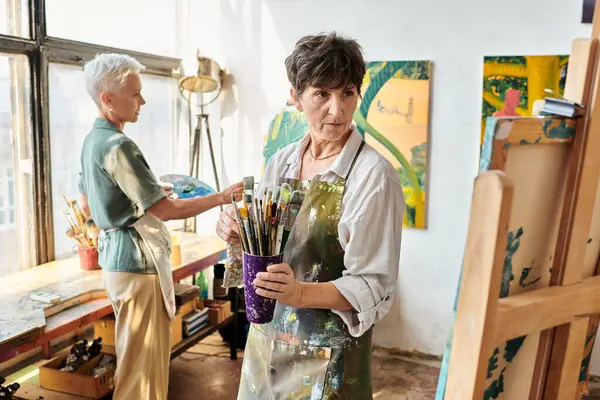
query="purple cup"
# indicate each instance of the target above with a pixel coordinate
(259, 309)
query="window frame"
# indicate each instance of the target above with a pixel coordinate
(41, 50)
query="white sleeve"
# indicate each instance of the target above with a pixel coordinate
(273, 170)
(372, 256)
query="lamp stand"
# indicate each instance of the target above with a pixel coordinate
(195, 152)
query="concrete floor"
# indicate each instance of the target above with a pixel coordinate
(208, 373)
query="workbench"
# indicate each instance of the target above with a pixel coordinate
(27, 324)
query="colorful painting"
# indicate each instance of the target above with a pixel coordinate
(288, 126)
(393, 116)
(512, 84)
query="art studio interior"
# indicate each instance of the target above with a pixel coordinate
(276, 199)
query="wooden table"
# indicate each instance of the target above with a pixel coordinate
(26, 324)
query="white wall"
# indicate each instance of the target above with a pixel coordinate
(252, 38)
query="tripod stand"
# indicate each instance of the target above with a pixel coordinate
(195, 151)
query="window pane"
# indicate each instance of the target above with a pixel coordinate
(16, 212)
(14, 18)
(72, 114)
(11, 192)
(148, 26)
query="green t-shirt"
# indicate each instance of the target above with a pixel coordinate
(119, 188)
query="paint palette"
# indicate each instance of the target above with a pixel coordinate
(187, 187)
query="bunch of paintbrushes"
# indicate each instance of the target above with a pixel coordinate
(81, 229)
(265, 223)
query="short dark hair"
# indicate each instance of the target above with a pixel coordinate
(327, 60)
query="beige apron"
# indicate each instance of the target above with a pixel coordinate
(155, 235)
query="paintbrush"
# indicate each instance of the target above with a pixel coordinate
(248, 190)
(71, 235)
(76, 212)
(92, 231)
(267, 216)
(241, 229)
(257, 225)
(273, 227)
(244, 215)
(72, 224)
(296, 201)
(284, 201)
(249, 204)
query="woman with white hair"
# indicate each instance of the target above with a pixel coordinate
(129, 206)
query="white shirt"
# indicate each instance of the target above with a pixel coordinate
(370, 226)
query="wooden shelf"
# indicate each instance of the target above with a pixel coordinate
(191, 341)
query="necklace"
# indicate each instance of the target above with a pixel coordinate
(321, 158)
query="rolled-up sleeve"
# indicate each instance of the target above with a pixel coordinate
(372, 234)
(134, 177)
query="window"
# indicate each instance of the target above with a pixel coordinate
(130, 24)
(72, 114)
(14, 18)
(16, 200)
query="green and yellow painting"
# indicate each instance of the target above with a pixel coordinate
(393, 116)
(512, 84)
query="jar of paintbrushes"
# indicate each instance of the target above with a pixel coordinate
(264, 222)
(85, 233)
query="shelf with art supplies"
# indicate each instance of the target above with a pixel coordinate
(86, 370)
(84, 232)
(264, 221)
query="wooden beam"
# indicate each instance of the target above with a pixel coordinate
(580, 199)
(596, 21)
(585, 175)
(480, 286)
(530, 312)
(566, 360)
(581, 69)
(568, 255)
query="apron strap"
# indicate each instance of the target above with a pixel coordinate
(342, 181)
(287, 167)
(362, 144)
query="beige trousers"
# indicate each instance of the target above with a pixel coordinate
(142, 335)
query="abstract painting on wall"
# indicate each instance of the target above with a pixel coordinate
(393, 116)
(512, 84)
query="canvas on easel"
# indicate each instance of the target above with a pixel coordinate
(523, 331)
(534, 154)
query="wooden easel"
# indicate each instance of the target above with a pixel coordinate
(562, 313)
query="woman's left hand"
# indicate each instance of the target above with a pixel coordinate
(280, 284)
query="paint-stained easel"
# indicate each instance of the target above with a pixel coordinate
(562, 313)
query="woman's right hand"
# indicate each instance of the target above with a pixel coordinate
(237, 190)
(227, 227)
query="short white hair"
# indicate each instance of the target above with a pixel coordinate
(108, 72)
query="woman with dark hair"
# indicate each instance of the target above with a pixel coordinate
(341, 261)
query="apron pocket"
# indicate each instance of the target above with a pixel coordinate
(297, 371)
